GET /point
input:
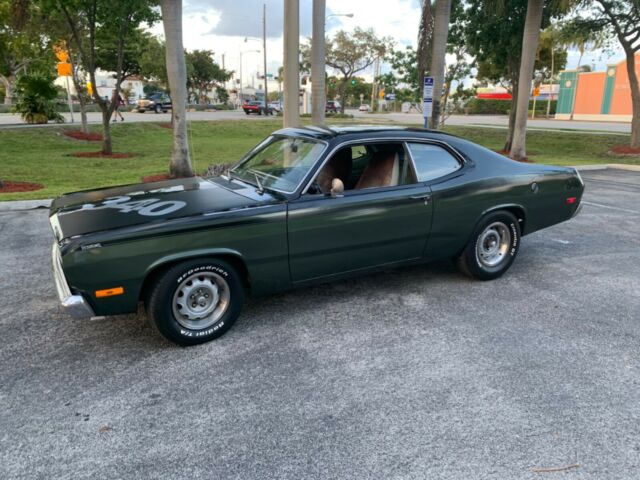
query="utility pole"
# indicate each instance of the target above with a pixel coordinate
(318, 93)
(291, 117)
(264, 50)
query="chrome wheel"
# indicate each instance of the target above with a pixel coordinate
(493, 245)
(201, 300)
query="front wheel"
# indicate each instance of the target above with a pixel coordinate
(492, 248)
(196, 301)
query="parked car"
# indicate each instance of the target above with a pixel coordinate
(255, 106)
(364, 108)
(276, 106)
(306, 205)
(332, 107)
(158, 102)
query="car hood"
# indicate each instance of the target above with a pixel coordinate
(110, 208)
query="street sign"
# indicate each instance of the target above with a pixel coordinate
(390, 96)
(427, 97)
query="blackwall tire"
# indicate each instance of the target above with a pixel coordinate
(196, 301)
(493, 246)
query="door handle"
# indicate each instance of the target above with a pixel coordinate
(426, 197)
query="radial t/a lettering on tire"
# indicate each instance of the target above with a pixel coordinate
(196, 301)
(493, 246)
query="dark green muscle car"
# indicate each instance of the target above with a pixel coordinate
(305, 205)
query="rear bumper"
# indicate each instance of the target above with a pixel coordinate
(75, 305)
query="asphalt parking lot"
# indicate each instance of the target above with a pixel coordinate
(418, 373)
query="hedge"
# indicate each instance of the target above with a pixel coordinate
(482, 106)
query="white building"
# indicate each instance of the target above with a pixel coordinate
(106, 83)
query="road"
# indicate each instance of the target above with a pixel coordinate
(494, 121)
(408, 374)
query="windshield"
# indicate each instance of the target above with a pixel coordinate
(279, 163)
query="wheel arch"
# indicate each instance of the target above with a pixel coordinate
(519, 211)
(157, 268)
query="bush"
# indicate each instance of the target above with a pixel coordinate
(37, 99)
(486, 106)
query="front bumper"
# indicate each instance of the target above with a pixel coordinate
(75, 305)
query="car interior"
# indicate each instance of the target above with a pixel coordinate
(365, 166)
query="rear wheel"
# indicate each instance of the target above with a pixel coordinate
(196, 301)
(492, 248)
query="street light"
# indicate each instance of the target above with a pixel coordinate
(241, 52)
(350, 15)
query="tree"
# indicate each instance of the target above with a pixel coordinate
(350, 54)
(528, 57)
(425, 36)
(622, 18)
(551, 51)
(496, 43)
(205, 74)
(440, 35)
(153, 66)
(116, 23)
(180, 165)
(23, 42)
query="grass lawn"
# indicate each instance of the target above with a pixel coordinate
(42, 155)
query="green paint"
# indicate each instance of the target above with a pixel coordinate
(566, 94)
(609, 85)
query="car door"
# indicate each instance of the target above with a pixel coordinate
(364, 228)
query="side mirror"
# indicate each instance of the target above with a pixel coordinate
(337, 188)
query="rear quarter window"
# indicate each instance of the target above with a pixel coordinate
(432, 161)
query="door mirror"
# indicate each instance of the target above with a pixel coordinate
(337, 188)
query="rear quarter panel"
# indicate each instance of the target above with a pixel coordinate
(493, 182)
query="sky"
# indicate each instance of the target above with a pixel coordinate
(223, 25)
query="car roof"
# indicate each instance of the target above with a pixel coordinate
(336, 131)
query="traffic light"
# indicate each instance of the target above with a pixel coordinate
(353, 81)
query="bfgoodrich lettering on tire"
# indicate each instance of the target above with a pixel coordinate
(493, 246)
(196, 301)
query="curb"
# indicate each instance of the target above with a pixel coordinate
(14, 206)
(613, 166)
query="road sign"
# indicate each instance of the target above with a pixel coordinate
(427, 97)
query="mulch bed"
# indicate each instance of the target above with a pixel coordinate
(13, 187)
(165, 125)
(506, 154)
(101, 155)
(625, 150)
(78, 135)
(156, 178)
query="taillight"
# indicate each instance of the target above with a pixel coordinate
(571, 200)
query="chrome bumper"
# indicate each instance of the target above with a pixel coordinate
(74, 305)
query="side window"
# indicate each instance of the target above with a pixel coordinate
(370, 165)
(432, 161)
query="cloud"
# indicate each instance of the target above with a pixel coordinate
(243, 18)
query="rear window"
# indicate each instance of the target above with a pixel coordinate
(432, 161)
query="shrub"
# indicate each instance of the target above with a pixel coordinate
(37, 99)
(487, 106)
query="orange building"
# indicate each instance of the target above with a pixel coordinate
(604, 96)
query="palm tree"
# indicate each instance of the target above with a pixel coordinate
(425, 36)
(440, 36)
(318, 63)
(180, 165)
(530, 40)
